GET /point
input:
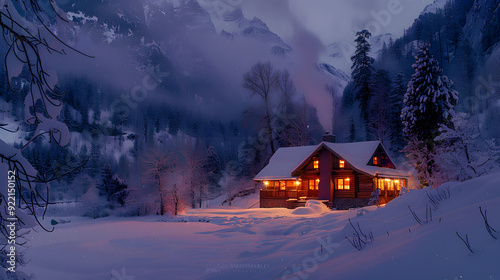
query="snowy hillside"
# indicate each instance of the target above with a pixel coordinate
(273, 243)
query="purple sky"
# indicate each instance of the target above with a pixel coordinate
(309, 26)
(335, 20)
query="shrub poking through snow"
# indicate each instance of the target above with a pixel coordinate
(358, 236)
(466, 241)
(489, 229)
(415, 216)
(439, 196)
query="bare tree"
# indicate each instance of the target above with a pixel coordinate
(286, 111)
(157, 166)
(176, 199)
(297, 132)
(193, 172)
(28, 39)
(261, 81)
(286, 88)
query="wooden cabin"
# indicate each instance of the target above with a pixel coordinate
(342, 175)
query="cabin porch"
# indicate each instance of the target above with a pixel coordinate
(287, 193)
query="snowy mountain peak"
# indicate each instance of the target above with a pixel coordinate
(434, 7)
(229, 21)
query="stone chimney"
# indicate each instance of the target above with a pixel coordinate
(327, 137)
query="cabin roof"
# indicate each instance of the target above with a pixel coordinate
(286, 161)
(283, 162)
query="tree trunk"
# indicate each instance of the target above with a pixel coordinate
(269, 127)
(201, 196)
(193, 200)
(161, 204)
(160, 187)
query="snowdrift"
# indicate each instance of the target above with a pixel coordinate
(312, 207)
(416, 236)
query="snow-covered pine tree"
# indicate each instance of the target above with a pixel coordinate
(94, 203)
(428, 105)
(429, 99)
(362, 70)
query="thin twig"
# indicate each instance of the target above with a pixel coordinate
(489, 229)
(466, 241)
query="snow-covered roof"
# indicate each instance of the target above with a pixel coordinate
(288, 160)
(358, 154)
(283, 162)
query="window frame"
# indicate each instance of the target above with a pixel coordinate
(316, 163)
(343, 184)
(314, 185)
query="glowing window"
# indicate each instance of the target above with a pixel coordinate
(341, 164)
(282, 185)
(375, 161)
(344, 184)
(316, 164)
(313, 185)
(390, 184)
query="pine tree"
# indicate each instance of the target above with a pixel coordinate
(352, 131)
(428, 105)
(213, 169)
(348, 96)
(379, 114)
(429, 99)
(399, 85)
(113, 188)
(362, 70)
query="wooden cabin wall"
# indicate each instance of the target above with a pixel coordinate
(365, 185)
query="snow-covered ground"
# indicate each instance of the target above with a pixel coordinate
(240, 243)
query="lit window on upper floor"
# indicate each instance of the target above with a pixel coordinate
(341, 164)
